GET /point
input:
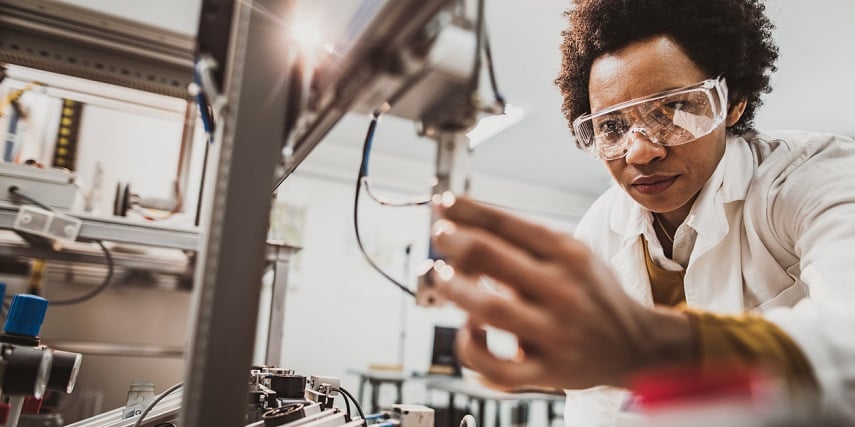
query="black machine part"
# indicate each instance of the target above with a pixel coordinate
(288, 386)
(63, 371)
(26, 371)
(283, 415)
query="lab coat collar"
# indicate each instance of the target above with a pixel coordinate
(738, 166)
(708, 217)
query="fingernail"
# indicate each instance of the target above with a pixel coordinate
(449, 239)
(443, 271)
(444, 200)
(448, 199)
(443, 226)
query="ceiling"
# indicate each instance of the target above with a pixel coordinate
(813, 88)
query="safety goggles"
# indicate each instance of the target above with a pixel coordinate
(673, 117)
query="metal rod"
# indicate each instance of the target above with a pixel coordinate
(184, 154)
(236, 215)
(17, 405)
(279, 254)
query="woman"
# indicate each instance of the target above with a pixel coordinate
(717, 244)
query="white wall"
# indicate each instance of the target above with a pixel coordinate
(813, 86)
(341, 314)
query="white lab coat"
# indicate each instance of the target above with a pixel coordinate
(773, 231)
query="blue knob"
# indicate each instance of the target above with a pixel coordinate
(26, 315)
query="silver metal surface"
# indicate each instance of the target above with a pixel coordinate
(115, 349)
(279, 254)
(123, 230)
(53, 187)
(366, 65)
(166, 410)
(16, 403)
(182, 175)
(228, 279)
(176, 264)
(63, 38)
(452, 163)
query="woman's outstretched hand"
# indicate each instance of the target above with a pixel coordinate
(575, 326)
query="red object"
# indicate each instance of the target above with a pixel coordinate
(4, 412)
(31, 405)
(662, 389)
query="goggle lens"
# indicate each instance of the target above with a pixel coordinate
(673, 118)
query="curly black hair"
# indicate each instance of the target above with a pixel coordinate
(732, 38)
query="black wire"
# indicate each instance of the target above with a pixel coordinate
(355, 403)
(93, 293)
(346, 404)
(488, 58)
(198, 215)
(154, 403)
(107, 256)
(396, 203)
(479, 41)
(363, 172)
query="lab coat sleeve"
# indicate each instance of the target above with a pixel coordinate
(811, 209)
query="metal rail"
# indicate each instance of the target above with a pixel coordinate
(122, 230)
(66, 39)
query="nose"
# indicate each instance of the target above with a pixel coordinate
(642, 148)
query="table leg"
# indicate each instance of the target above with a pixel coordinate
(449, 419)
(375, 391)
(498, 413)
(524, 407)
(361, 389)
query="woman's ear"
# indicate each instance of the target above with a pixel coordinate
(735, 112)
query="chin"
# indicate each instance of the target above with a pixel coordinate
(657, 204)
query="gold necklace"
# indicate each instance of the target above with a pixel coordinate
(662, 227)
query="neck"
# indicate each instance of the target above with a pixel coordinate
(671, 220)
(669, 225)
(665, 234)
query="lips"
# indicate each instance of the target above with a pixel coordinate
(652, 185)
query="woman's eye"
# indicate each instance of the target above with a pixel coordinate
(611, 127)
(677, 105)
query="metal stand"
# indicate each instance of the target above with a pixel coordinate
(228, 279)
(279, 256)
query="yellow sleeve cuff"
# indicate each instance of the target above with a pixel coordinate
(752, 340)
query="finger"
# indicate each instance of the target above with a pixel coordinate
(537, 239)
(540, 242)
(517, 316)
(476, 333)
(476, 251)
(502, 373)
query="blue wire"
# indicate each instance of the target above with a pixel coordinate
(202, 102)
(366, 149)
(372, 417)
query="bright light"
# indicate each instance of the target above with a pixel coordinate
(307, 35)
(491, 126)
